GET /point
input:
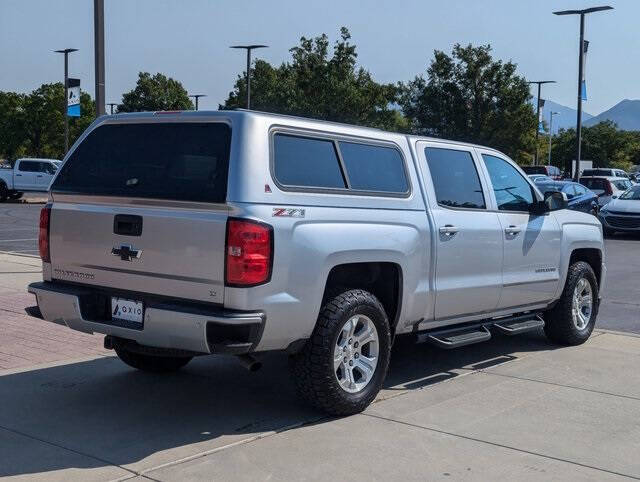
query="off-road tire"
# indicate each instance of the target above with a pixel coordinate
(15, 195)
(559, 326)
(312, 368)
(151, 363)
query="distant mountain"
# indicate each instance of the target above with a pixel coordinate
(626, 114)
(566, 117)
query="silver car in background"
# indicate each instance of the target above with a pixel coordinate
(622, 213)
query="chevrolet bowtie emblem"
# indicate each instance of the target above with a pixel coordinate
(127, 252)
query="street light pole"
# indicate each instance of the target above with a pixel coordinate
(551, 114)
(66, 53)
(98, 40)
(249, 48)
(539, 82)
(196, 97)
(582, 13)
(111, 104)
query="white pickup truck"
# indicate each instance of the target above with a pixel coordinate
(28, 174)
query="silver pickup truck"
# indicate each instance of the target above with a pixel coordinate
(178, 234)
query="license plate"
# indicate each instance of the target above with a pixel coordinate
(127, 310)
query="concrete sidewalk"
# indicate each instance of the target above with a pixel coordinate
(512, 408)
(26, 341)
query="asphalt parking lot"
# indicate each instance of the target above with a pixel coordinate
(620, 309)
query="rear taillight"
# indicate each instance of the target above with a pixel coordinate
(249, 253)
(43, 236)
(608, 188)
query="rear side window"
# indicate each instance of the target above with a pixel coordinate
(306, 162)
(29, 166)
(455, 178)
(178, 161)
(374, 168)
(594, 184)
(535, 170)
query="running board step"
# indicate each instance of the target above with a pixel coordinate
(449, 339)
(519, 325)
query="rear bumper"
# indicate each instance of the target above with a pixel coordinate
(166, 325)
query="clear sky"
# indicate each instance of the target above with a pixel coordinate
(189, 39)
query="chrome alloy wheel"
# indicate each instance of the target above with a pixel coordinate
(355, 354)
(582, 306)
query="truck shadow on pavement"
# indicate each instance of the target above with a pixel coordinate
(101, 413)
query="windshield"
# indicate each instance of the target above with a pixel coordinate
(622, 185)
(633, 193)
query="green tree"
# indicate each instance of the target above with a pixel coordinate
(602, 143)
(44, 121)
(12, 120)
(320, 84)
(471, 97)
(154, 93)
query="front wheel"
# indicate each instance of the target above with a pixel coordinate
(151, 363)
(342, 367)
(572, 320)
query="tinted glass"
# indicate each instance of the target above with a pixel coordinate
(302, 161)
(570, 191)
(535, 169)
(513, 192)
(181, 161)
(594, 184)
(633, 193)
(455, 178)
(580, 190)
(622, 185)
(374, 168)
(29, 166)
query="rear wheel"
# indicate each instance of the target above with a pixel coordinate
(572, 320)
(15, 195)
(342, 367)
(3, 192)
(151, 363)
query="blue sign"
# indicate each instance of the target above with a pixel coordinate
(73, 98)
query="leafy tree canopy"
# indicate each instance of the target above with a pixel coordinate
(33, 124)
(471, 97)
(153, 93)
(322, 83)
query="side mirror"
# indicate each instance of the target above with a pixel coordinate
(556, 201)
(614, 197)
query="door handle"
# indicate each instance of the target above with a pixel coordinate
(39, 175)
(18, 175)
(513, 230)
(448, 230)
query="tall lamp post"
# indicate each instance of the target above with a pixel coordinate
(66, 53)
(249, 48)
(551, 114)
(539, 82)
(196, 97)
(582, 14)
(98, 40)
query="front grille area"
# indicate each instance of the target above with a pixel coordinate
(631, 222)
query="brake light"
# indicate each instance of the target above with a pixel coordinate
(608, 188)
(43, 235)
(249, 253)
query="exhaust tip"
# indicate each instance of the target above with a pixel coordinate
(249, 362)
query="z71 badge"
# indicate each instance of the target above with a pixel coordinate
(288, 213)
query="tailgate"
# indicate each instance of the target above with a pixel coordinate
(178, 253)
(141, 206)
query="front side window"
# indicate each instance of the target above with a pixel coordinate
(570, 191)
(374, 168)
(633, 193)
(306, 162)
(455, 178)
(513, 192)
